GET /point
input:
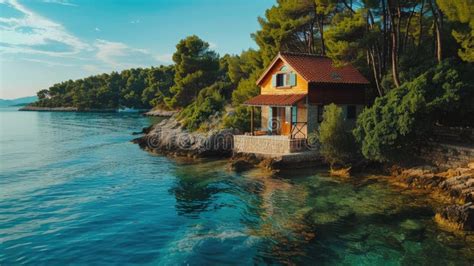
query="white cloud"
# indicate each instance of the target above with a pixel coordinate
(136, 21)
(59, 2)
(29, 33)
(212, 45)
(118, 54)
(46, 62)
(165, 58)
(97, 29)
(91, 68)
(109, 51)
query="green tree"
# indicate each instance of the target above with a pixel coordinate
(296, 26)
(196, 67)
(461, 12)
(158, 83)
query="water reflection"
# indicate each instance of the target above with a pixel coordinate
(194, 188)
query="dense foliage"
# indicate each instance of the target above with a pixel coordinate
(135, 88)
(396, 122)
(336, 141)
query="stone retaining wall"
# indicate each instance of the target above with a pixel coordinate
(267, 144)
(446, 156)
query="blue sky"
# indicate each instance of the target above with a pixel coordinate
(43, 42)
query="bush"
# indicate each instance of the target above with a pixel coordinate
(399, 121)
(387, 128)
(338, 145)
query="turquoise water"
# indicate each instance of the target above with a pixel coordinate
(74, 190)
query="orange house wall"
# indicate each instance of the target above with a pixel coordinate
(267, 88)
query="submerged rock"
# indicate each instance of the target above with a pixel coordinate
(411, 225)
(240, 165)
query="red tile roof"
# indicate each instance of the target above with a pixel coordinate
(320, 69)
(276, 100)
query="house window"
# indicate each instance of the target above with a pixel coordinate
(287, 79)
(351, 112)
(280, 80)
(320, 113)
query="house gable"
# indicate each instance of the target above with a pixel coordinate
(280, 66)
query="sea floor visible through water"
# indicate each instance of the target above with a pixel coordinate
(74, 190)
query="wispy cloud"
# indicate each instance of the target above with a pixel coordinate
(59, 2)
(91, 69)
(164, 58)
(47, 63)
(212, 45)
(109, 51)
(136, 21)
(118, 54)
(32, 33)
(97, 29)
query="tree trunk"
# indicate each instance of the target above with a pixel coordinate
(439, 50)
(385, 38)
(407, 28)
(321, 32)
(421, 23)
(394, 47)
(375, 73)
(438, 24)
(311, 38)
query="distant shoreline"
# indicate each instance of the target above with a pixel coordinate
(146, 112)
(66, 109)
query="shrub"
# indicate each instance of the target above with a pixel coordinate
(337, 143)
(399, 121)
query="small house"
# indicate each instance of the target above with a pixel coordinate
(294, 89)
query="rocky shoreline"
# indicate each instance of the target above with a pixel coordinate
(169, 138)
(454, 186)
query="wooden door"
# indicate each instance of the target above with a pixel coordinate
(285, 120)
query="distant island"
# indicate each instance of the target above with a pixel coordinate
(18, 101)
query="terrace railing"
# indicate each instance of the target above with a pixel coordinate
(298, 130)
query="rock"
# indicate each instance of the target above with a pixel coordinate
(471, 165)
(457, 184)
(425, 170)
(145, 130)
(241, 165)
(459, 217)
(160, 112)
(168, 137)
